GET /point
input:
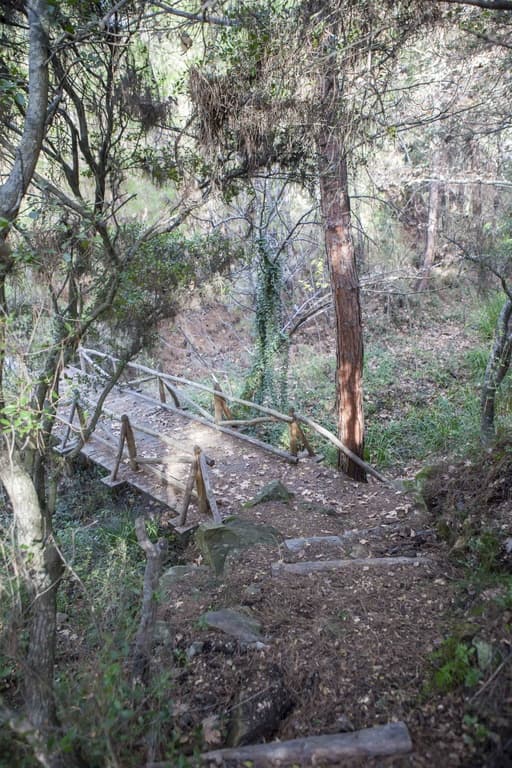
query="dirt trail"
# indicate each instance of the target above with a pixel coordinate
(350, 647)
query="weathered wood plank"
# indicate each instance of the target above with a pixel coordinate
(379, 741)
(316, 566)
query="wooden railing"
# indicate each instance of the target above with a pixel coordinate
(172, 387)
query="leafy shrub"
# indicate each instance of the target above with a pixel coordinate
(455, 665)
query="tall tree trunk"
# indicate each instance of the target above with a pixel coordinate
(497, 367)
(339, 244)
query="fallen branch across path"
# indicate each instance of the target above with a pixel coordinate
(390, 739)
(316, 566)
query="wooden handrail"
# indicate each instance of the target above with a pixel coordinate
(180, 380)
(223, 427)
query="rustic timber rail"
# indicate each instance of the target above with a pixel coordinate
(153, 434)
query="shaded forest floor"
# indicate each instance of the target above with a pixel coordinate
(365, 646)
(428, 642)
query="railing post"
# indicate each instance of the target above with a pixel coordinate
(188, 493)
(130, 442)
(70, 421)
(122, 438)
(297, 436)
(220, 406)
(161, 391)
(202, 500)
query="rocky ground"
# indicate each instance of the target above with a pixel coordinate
(334, 650)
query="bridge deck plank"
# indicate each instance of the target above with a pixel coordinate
(181, 435)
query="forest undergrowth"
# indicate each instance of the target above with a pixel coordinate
(422, 379)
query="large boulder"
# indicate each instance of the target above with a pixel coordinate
(218, 540)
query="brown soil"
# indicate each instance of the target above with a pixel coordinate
(354, 646)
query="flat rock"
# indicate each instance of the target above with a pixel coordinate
(295, 545)
(178, 573)
(238, 625)
(273, 491)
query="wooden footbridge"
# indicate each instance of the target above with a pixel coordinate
(145, 428)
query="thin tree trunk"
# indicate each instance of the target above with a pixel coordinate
(497, 367)
(41, 569)
(335, 203)
(155, 556)
(433, 215)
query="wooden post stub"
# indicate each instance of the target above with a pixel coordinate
(161, 391)
(130, 442)
(220, 406)
(122, 438)
(305, 441)
(293, 429)
(297, 436)
(202, 498)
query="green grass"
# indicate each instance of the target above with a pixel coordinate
(486, 315)
(447, 424)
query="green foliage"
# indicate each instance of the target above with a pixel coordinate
(159, 269)
(484, 552)
(486, 316)
(476, 733)
(106, 717)
(14, 751)
(445, 424)
(455, 665)
(267, 380)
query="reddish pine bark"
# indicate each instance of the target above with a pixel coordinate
(335, 202)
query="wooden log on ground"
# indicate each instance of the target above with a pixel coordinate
(155, 556)
(379, 741)
(301, 542)
(317, 566)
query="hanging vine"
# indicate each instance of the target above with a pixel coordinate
(267, 380)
